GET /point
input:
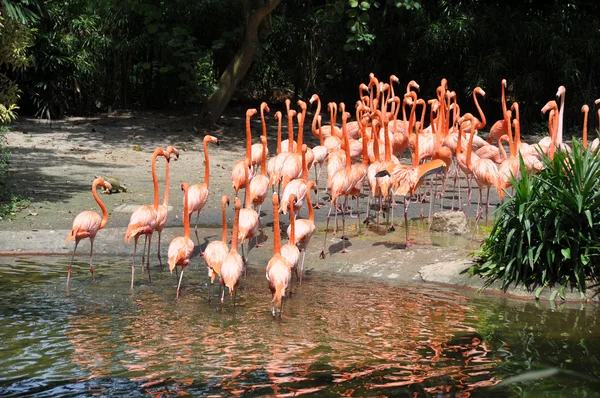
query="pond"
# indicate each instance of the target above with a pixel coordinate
(338, 336)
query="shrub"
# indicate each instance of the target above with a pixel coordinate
(547, 231)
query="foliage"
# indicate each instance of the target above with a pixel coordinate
(9, 201)
(547, 232)
(14, 39)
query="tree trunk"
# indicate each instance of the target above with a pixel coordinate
(239, 65)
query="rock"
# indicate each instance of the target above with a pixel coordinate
(449, 222)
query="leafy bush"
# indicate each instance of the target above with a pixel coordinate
(547, 232)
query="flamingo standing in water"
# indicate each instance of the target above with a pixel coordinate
(143, 220)
(237, 174)
(163, 209)
(182, 247)
(231, 269)
(215, 251)
(198, 193)
(279, 268)
(290, 251)
(304, 227)
(87, 224)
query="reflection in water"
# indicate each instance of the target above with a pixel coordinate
(338, 337)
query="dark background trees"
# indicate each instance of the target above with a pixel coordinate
(94, 55)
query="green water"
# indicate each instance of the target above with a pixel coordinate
(337, 337)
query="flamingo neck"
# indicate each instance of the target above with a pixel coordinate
(102, 207)
(276, 232)
(224, 221)
(511, 142)
(207, 164)
(167, 183)
(559, 131)
(234, 233)
(247, 200)
(311, 211)
(262, 119)
(263, 161)
(346, 143)
(375, 145)
(300, 133)
(278, 136)
(186, 213)
(470, 146)
(387, 143)
(481, 114)
(292, 225)
(304, 167)
(248, 138)
(290, 132)
(501, 147)
(155, 178)
(365, 152)
(314, 121)
(504, 110)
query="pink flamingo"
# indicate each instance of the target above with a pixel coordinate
(285, 144)
(198, 193)
(304, 227)
(290, 251)
(238, 172)
(327, 131)
(259, 186)
(87, 224)
(279, 268)
(257, 149)
(341, 184)
(215, 251)
(182, 247)
(500, 128)
(271, 161)
(320, 151)
(163, 209)
(296, 187)
(248, 223)
(231, 269)
(143, 220)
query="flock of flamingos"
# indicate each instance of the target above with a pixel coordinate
(377, 138)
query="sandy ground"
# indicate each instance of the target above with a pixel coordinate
(55, 163)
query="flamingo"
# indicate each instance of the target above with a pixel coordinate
(198, 193)
(547, 144)
(341, 184)
(276, 175)
(231, 269)
(285, 144)
(271, 161)
(292, 166)
(143, 219)
(500, 128)
(163, 209)
(559, 130)
(585, 109)
(238, 173)
(295, 187)
(310, 157)
(182, 247)
(248, 223)
(327, 131)
(290, 251)
(304, 227)
(256, 150)
(484, 171)
(87, 224)
(215, 251)
(510, 166)
(279, 268)
(321, 153)
(259, 186)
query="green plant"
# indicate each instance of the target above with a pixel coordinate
(9, 201)
(547, 231)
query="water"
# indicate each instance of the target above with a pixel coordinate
(337, 337)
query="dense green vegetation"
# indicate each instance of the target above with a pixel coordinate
(90, 55)
(547, 232)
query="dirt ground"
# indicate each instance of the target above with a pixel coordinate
(54, 164)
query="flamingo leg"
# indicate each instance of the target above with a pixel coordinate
(159, 259)
(322, 255)
(344, 250)
(487, 204)
(391, 228)
(281, 308)
(222, 293)
(133, 263)
(71, 264)
(91, 257)
(431, 202)
(302, 267)
(144, 252)
(148, 258)
(196, 232)
(406, 202)
(179, 284)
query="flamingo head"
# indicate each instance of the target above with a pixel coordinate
(263, 140)
(479, 90)
(314, 98)
(549, 105)
(585, 108)
(264, 107)
(561, 91)
(311, 185)
(302, 105)
(171, 150)
(251, 112)
(504, 83)
(277, 115)
(225, 200)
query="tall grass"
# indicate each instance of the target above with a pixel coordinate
(547, 231)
